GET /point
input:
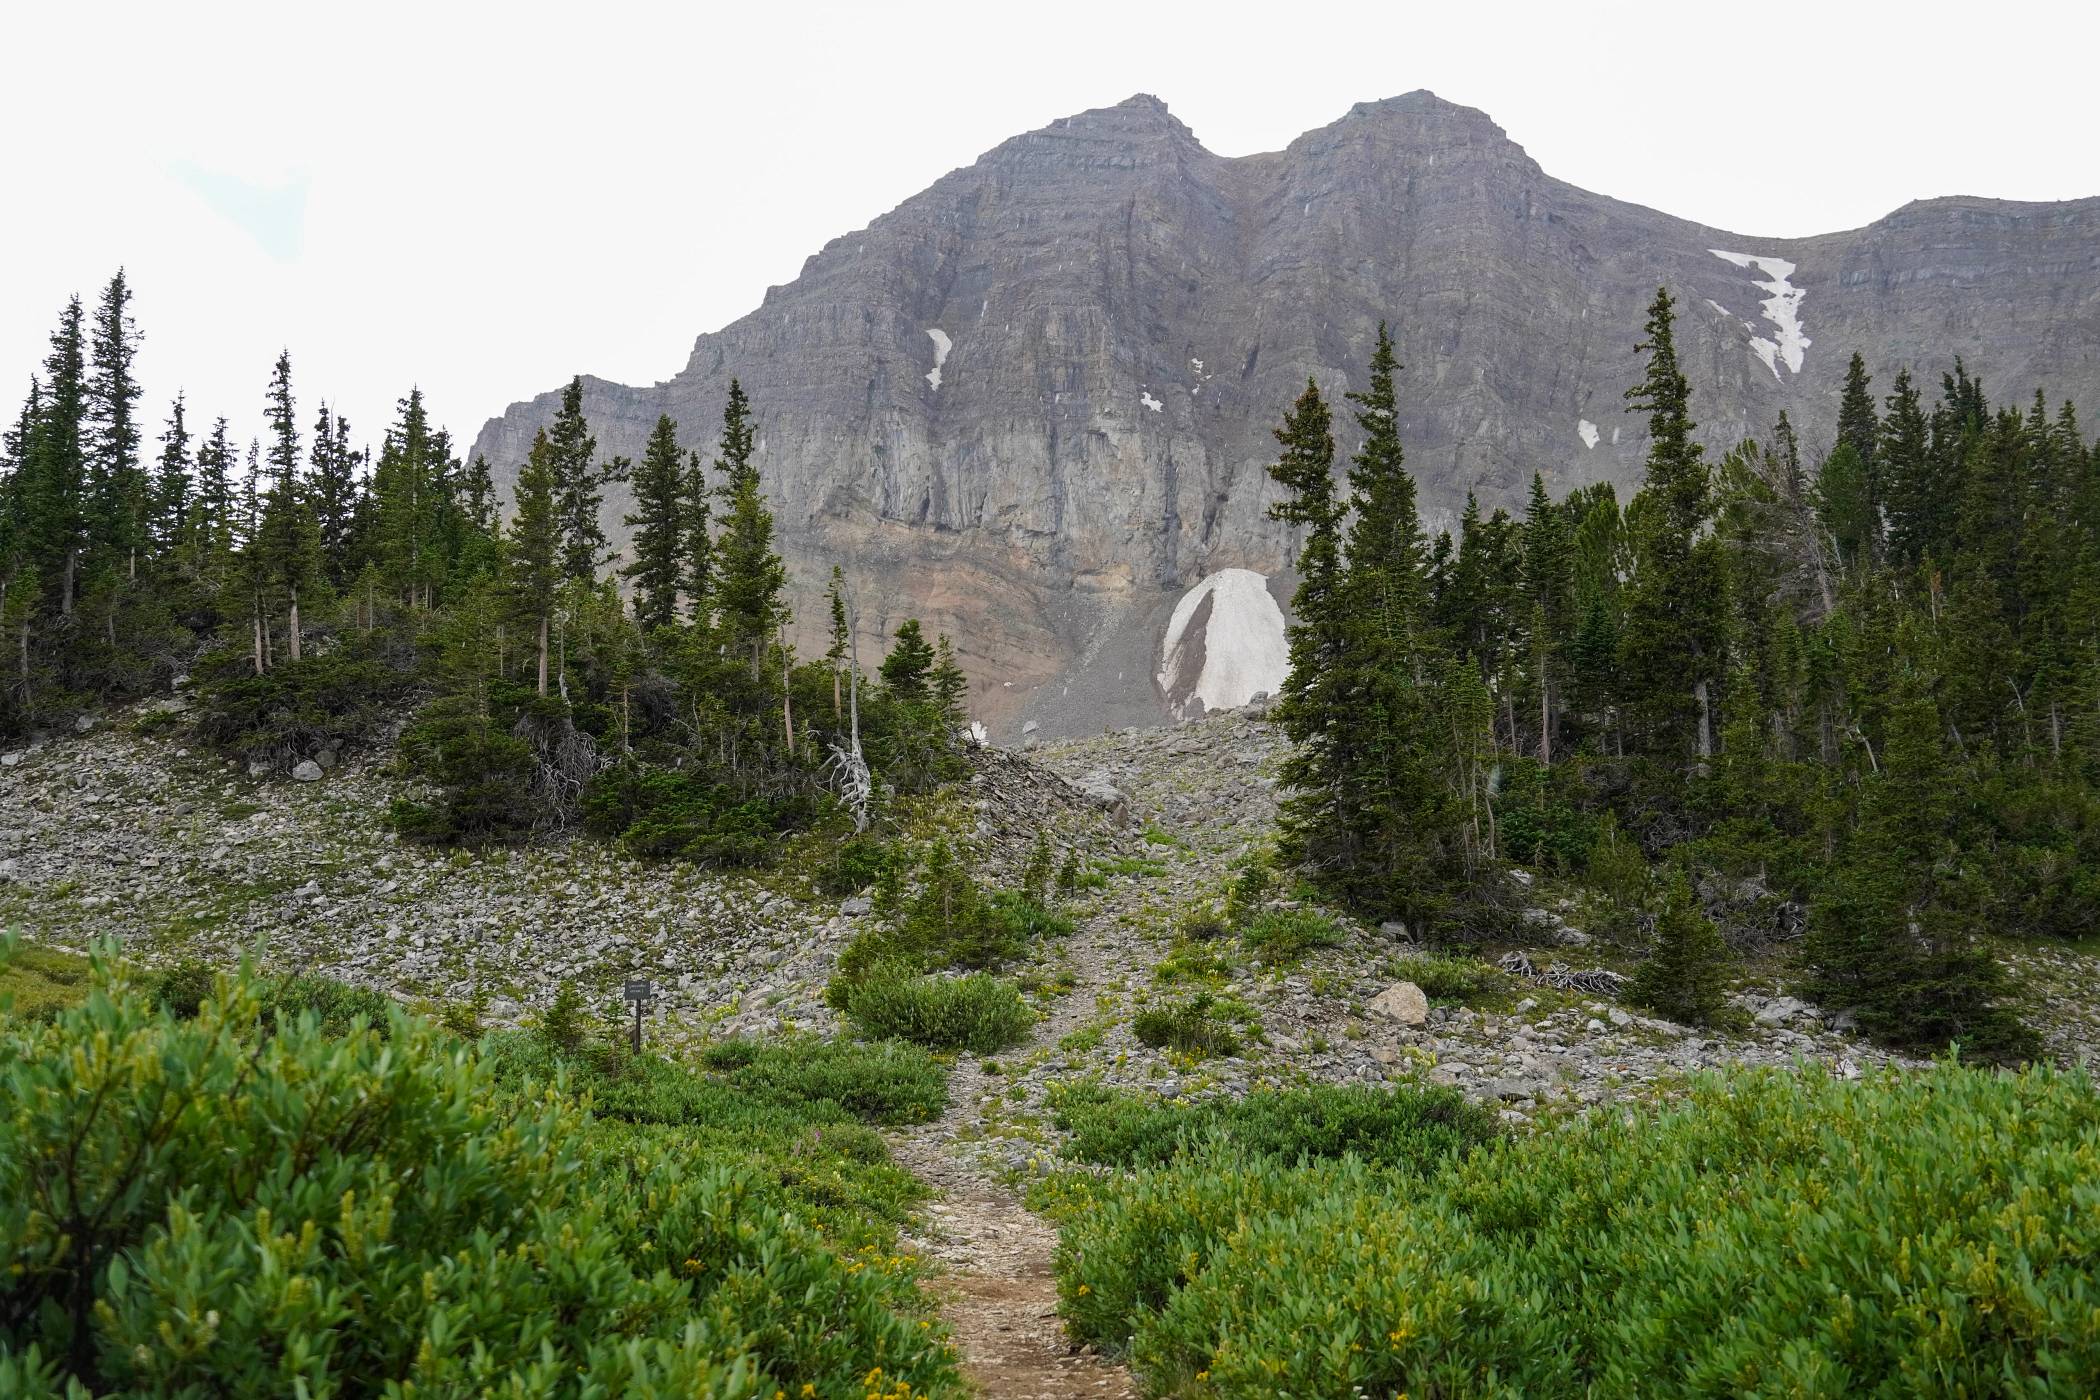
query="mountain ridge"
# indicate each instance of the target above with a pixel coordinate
(1031, 403)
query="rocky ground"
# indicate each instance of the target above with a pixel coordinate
(120, 832)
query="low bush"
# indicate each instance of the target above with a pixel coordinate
(256, 1212)
(1402, 1127)
(1193, 1027)
(37, 982)
(1286, 935)
(978, 1012)
(1445, 978)
(183, 988)
(1778, 1232)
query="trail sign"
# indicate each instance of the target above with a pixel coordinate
(639, 991)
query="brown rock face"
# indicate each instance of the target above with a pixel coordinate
(1031, 405)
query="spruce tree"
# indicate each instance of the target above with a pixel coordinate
(696, 577)
(1549, 584)
(1683, 976)
(1860, 429)
(580, 483)
(1671, 645)
(1892, 934)
(535, 547)
(288, 543)
(906, 671)
(659, 523)
(333, 488)
(947, 686)
(748, 575)
(55, 494)
(122, 501)
(216, 494)
(171, 482)
(1312, 708)
(841, 639)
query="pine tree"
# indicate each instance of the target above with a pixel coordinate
(288, 542)
(659, 524)
(1312, 708)
(171, 483)
(696, 578)
(1549, 584)
(535, 547)
(1860, 429)
(908, 667)
(1671, 645)
(1891, 935)
(748, 576)
(835, 654)
(947, 686)
(55, 493)
(409, 506)
(1682, 978)
(333, 488)
(122, 502)
(216, 496)
(580, 484)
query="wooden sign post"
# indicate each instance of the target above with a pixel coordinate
(639, 992)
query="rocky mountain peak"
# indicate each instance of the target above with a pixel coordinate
(1031, 405)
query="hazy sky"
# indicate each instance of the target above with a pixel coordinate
(484, 200)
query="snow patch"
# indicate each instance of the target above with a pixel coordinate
(1614, 437)
(978, 733)
(1718, 307)
(1782, 309)
(941, 346)
(1198, 364)
(1237, 653)
(1587, 431)
(1145, 398)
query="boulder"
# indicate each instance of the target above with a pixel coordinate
(308, 771)
(1780, 1010)
(1403, 1002)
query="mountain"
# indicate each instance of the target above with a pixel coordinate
(1031, 405)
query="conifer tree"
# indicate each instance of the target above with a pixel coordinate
(835, 654)
(1311, 708)
(1671, 646)
(659, 524)
(580, 483)
(171, 483)
(535, 547)
(748, 575)
(907, 669)
(1682, 978)
(216, 494)
(122, 503)
(1892, 934)
(333, 488)
(1549, 583)
(55, 491)
(948, 687)
(1860, 429)
(696, 578)
(288, 543)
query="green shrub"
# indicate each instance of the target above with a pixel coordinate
(978, 1012)
(1192, 1027)
(1778, 1232)
(1444, 978)
(884, 1082)
(252, 1212)
(184, 987)
(1403, 1127)
(1286, 935)
(857, 863)
(1205, 923)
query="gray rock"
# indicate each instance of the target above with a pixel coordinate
(1780, 1010)
(1403, 1002)
(9, 760)
(83, 723)
(857, 906)
(308, 771)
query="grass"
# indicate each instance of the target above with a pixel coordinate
(38, 982)
(978, 1012)
(1194, 1027)
(1280, 937)
(1461, 981)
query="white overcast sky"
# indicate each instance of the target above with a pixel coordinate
(484, 200)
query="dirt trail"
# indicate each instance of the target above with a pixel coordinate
(998, 1291)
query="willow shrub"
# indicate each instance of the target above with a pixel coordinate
(1777, 1233)
(203, 1206)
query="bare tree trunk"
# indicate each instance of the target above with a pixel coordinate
(25, 663)
(1706, 722)
(787, 698)
(65, 602)
(1545, 719)
(292, 635)
(258, 642)
(544, 620)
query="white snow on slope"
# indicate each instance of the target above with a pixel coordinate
(1243, 650)
(1782, 309)
(1148, 401)
(941, 346)
(1587, 431)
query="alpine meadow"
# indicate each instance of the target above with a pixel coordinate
(1350, 771)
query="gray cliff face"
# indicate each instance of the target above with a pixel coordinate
(1032, 404)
